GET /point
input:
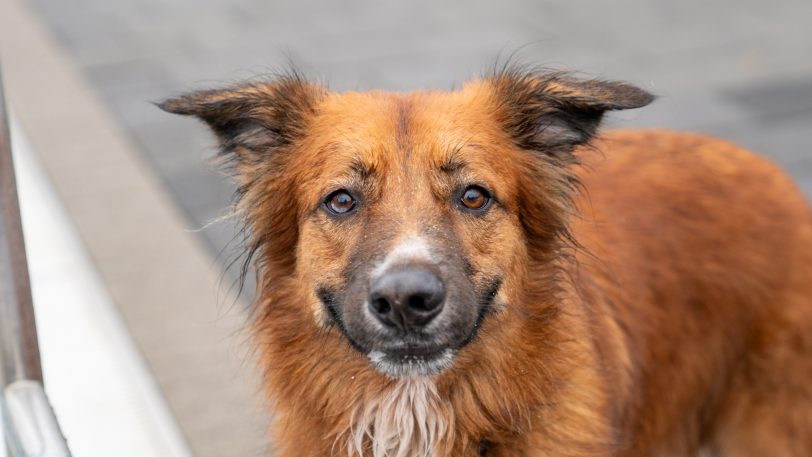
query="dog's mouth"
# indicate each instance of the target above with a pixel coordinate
(407, 361)
(423, 353)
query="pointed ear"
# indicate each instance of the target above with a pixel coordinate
(255, 118)
(554, 112)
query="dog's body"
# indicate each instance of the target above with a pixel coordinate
(671, 314)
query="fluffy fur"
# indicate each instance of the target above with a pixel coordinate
(652, 299)
(409, 420)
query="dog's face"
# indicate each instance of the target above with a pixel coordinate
(407, 218)
(410, 226)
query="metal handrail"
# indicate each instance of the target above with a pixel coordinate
(19, 348)
(30, 428)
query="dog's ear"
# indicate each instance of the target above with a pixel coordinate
(553, 112)
(252, 119)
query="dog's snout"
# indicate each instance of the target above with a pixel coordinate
(407, 298)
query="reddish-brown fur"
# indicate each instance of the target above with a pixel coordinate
(661, 307)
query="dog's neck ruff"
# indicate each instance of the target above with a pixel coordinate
(410, 420)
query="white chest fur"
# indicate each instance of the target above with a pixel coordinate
(408, 421)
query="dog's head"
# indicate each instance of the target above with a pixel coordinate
(407, 218)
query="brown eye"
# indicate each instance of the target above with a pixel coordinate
(475, 198)
(340, 202)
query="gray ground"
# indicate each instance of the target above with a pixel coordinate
(740, 69)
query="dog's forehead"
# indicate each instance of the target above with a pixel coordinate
(385, 130)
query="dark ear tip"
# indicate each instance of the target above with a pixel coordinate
(179, 105)
(627, 96)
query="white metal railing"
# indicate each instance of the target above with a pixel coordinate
(30, 428)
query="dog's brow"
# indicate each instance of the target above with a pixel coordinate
(454, 161)
(361, 168)
(452, 165)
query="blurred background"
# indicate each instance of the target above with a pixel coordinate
(140, 203)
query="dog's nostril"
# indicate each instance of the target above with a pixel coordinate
(381, 305)
(418, 303)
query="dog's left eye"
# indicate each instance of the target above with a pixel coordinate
(339, 202)
(475, 198)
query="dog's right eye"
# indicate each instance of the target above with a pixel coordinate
(339, 203)
(475, 199)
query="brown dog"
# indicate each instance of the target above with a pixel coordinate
(469, 273)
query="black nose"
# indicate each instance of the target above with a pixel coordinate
(407, 297)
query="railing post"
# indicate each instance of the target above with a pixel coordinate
(18, 333)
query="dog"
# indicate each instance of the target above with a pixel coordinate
(480, 273)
